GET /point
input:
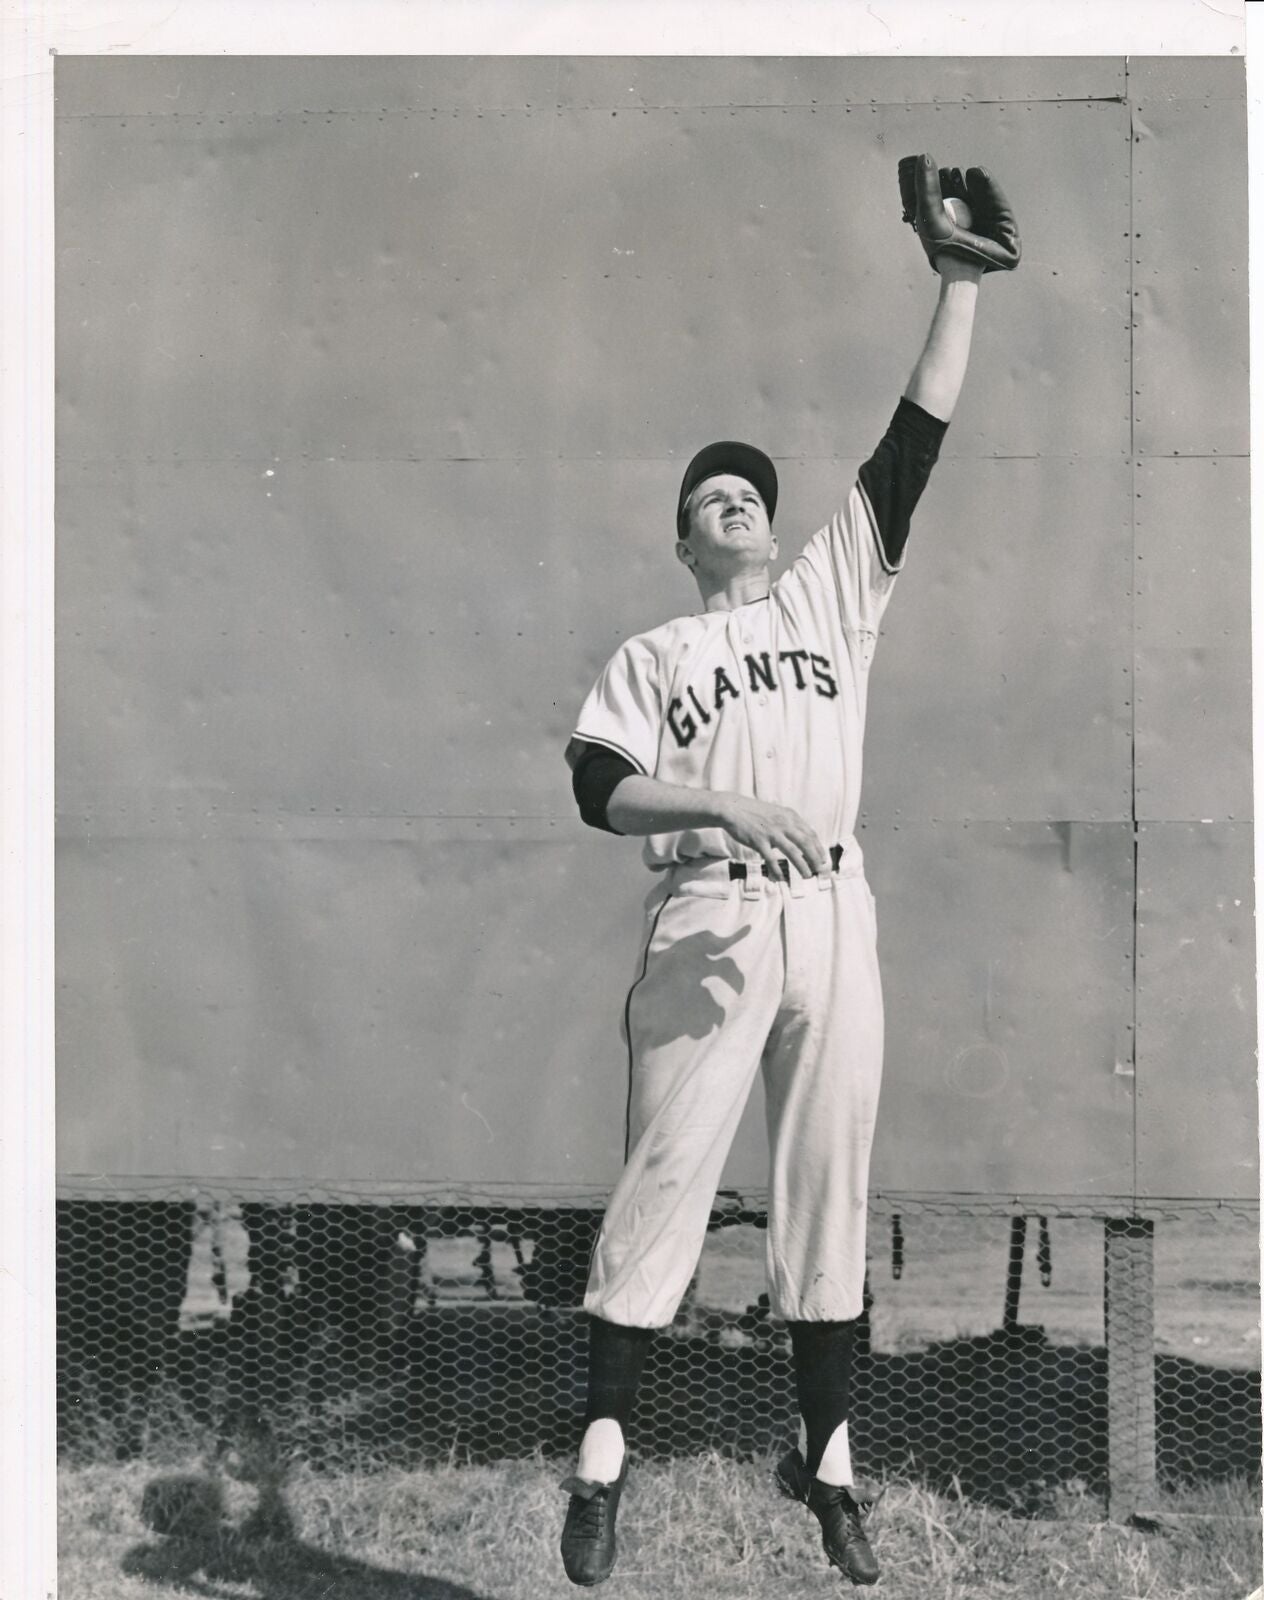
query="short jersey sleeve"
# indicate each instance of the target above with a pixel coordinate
(844, 559)
(624, 709)
(860, 551)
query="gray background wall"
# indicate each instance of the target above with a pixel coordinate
(375, 382)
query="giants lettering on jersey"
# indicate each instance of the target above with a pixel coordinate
(800, 670)
(766, 699)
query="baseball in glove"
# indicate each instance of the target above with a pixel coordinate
(991, 240)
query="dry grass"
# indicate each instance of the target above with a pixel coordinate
(694, 1526)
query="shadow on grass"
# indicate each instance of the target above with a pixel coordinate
(202, 1555)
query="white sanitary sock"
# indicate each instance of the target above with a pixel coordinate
(835, 1467)
(601, 1451)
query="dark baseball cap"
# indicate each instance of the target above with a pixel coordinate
(727, 455)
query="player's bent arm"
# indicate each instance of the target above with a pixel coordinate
(639, 805)
(936, 380)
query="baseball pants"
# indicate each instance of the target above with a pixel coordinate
(733, 977)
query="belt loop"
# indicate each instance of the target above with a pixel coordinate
(739, 872)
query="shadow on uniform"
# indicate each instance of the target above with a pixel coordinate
(683, 994)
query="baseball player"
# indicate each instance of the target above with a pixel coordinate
(730, 741)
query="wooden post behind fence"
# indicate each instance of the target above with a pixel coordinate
(1129, 1304)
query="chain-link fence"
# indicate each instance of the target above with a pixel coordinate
(1009, 1348)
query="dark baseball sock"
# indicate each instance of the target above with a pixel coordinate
(822, 1379)
(616, 1356)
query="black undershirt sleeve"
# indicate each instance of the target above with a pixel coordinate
(896, 473)
(594, 778)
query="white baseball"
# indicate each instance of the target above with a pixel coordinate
(960, 212)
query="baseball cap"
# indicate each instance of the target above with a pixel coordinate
(727, 455)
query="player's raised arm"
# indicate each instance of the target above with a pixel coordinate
(966, 227)
(936, 380)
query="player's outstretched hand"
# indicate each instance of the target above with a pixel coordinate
(989, 239)
(776, 832)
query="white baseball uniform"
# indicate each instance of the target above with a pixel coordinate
(738, 969)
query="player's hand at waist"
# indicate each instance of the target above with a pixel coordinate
(776, 832)
(643, 805)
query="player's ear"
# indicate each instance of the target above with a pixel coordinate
(772, 548)
(685, 553)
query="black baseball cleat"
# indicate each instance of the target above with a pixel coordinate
(588, 1544)
(842, 1528)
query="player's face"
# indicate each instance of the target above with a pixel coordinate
(728, 528)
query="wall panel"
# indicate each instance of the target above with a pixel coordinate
(1193, 632)
(1002, 685)
(559, 283)
(344, 1008)
(1007, 962)
(1196, 1014)
(1190, 217)
(375, 1007)
(415, 638)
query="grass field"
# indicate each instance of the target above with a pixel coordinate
(692, 1527)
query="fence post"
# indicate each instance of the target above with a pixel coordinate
(1129, 1300)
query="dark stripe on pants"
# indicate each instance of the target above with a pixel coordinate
(627, 1030)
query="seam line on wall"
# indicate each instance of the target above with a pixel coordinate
(1132, 591)
(218, 117)
(603, 460)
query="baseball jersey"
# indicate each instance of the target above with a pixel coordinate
(769, 699)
